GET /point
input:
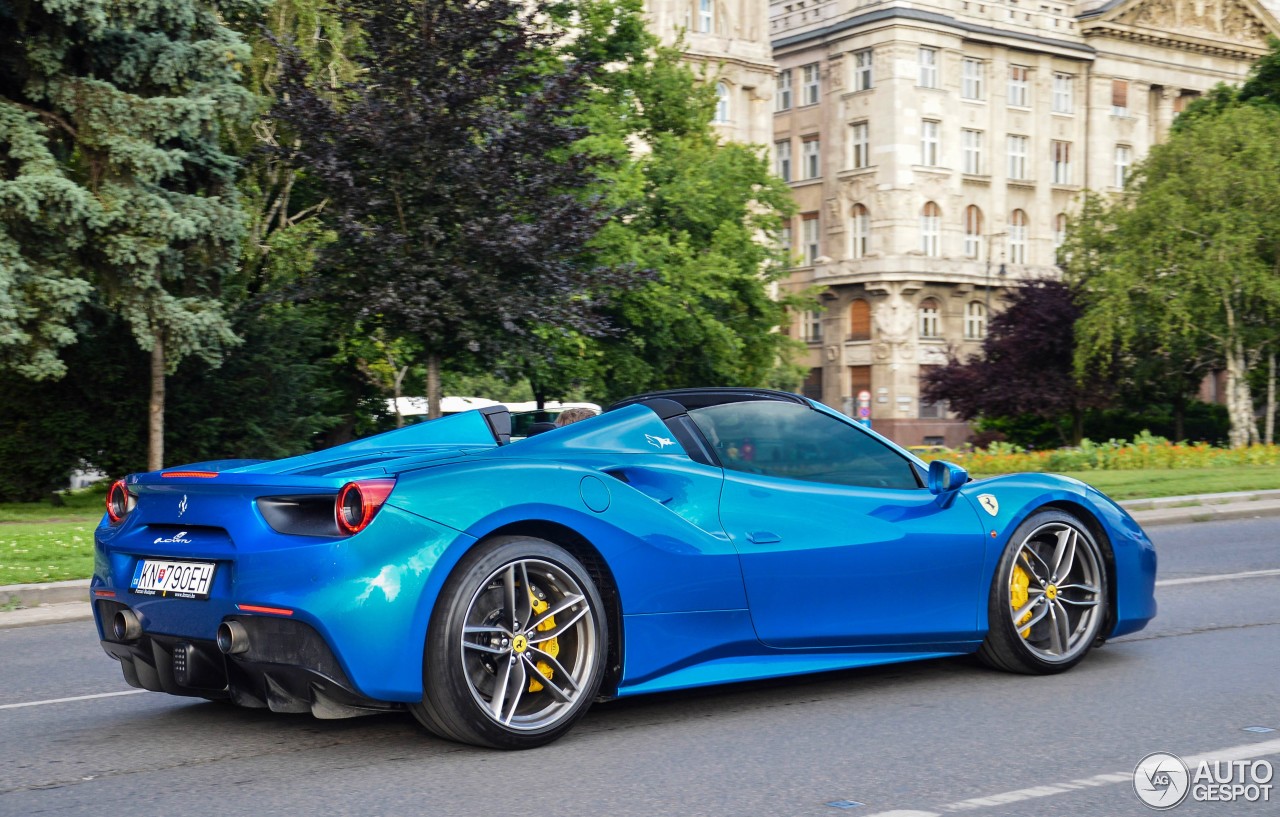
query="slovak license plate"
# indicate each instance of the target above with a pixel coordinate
(183, 580)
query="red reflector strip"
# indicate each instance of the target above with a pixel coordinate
(107, 594)
(195, 474)
(254, 608)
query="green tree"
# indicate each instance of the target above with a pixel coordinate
(703, 214)
(114, 184)
(453, 189)
(1150, 368)
(1194, 257)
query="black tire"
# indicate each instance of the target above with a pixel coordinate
(476, 644)
(1065, 604)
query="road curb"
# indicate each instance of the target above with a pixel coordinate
(56, 602)
(34, 595)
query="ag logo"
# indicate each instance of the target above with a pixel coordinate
(1161, 780)
(659, 442)
(989, 503)
(182, 506)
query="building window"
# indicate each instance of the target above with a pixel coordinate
(1119, 97)
(930, 410)
(706, 16)
(1017, 157)
(929, 142)
(1059, 230)
(859, 232)
(1061, 157)
(811, 84)
(783, 151)
(1063, 85)
(722, 103)
(859, 321)
(784, 91)
(862, 77)
(930, 229)
(971, 142)
(859, 145)
(809, 235)
(971, 79)
(813, 384)
(811, 327)
(930, 325)
(928, 67)
(1018, 237)
(975, 320)
(812, 153)
(1018, 86)
(1124, 156)
(972, 231)
(786, 240)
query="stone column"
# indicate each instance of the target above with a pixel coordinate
(1164, 111)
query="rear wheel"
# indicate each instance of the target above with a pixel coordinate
(516, 648)
(1048, 598)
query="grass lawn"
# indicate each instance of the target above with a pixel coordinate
(43, 543)
(1159, 482)
(33, 552)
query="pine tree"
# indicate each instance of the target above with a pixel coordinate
(114, 184)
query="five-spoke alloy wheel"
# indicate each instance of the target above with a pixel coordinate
(516, 647)
(1048, 599)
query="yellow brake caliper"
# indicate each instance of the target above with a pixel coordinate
(1018, 585)
(551, 646)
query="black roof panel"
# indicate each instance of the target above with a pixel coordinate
(701, 398)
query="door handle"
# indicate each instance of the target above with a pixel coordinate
(763, 537)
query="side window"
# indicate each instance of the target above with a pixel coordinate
(795, 442)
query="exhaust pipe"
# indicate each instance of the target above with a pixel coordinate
(125, 626)
(233, 638)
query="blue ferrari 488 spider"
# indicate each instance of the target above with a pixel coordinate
(682, 538)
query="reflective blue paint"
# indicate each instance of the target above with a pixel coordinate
(721, 576)
(854, 566)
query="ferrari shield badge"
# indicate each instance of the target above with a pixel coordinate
(989, 503)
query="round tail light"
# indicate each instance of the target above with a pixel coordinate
(119, 501)
(358, 502)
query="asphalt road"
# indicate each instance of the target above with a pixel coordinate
(930, 738)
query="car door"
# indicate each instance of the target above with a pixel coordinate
(840, 545)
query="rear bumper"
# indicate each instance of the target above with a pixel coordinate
(363, 601)
(288, 667)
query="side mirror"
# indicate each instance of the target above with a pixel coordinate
(945, 477)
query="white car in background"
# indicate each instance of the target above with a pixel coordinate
(523, 415)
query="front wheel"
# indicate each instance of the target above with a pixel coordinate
(516, 647)
(1048, 598)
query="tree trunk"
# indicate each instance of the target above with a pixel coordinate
(397, 387)
(1077, 426)
(155, 418)
(1270, 423)
(1244, 429)
(1179, 416)
(433, 386)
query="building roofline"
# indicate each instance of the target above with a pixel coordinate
(927, 17)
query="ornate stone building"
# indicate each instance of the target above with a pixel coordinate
(729, 40)
(935, 148)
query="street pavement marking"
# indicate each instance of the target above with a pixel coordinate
(1220, 577)
(1244, 751)
(69, 700)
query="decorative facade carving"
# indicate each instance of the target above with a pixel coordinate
(1209, 19)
